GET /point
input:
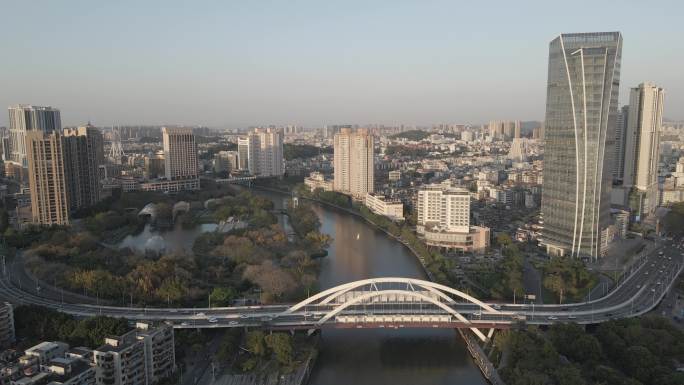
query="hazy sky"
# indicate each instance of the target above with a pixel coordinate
(238, 63)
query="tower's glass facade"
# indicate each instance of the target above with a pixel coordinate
(581, 112)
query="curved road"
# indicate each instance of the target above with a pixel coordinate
(649, 280)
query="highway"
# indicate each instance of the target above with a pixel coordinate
(648, 280)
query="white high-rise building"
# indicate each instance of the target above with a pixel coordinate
(444, 219)
(24, 118)
(263, 150)
(180, 156)
(642, 147)
(446, 207)
(354, 162)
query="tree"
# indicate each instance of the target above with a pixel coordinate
(222, 296)
(255, 344)
(274, 281)
(281, 345)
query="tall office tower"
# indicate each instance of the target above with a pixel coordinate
(516, 129)
(620, 145)
(25, 118)
(642, 148)
(354, 162)
(83, 155)
(180, 154)
(47, 178)
(265, 152)
(581, 111)
(243, 153)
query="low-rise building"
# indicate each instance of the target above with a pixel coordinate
(391, 208)
(316, 180)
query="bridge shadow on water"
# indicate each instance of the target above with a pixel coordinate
(398, 357)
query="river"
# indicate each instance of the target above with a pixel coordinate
(380, 356)
(354, 356)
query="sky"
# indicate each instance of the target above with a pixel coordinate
(233, 64)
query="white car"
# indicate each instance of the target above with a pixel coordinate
(212, 320)
(200, 314)
(233, 323)
(552, 317)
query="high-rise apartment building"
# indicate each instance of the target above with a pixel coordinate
(47, 178)
(7, 332)
(142, 356)
(243, 153)
(354, 163)
(620, 145)
(83, 155)
(26, 118)
(264, 148)
(642, 148)
(180, 156)
(581, 112)
(63, 172)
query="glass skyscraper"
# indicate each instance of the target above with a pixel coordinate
(581, 112)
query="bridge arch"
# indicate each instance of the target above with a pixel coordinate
(329, 295)
(407, 293)
(377, 287)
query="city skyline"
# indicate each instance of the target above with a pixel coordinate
(383, 63)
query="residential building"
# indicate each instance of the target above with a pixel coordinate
(45, 352)
(83, 155)
(243, 153)
(391, 208)
(47, 178)
(264, 149)
(27, 118)
(142, 356)
(7, 334)
(579, 142)
(180, 155)
(642, 148)
(354, 162)
(394, 175)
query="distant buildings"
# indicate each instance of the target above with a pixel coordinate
(443, 219)
(316, 180)
(225, 161)
(579, 136)
(391, 208)
(504, 129)
(26, 118)
(354, 163)
(642, 148)
(180, 157)
(620, 145)
(261, 152)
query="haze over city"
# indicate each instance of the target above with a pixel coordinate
(234, 64)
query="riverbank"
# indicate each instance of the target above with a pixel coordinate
(357, 214)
